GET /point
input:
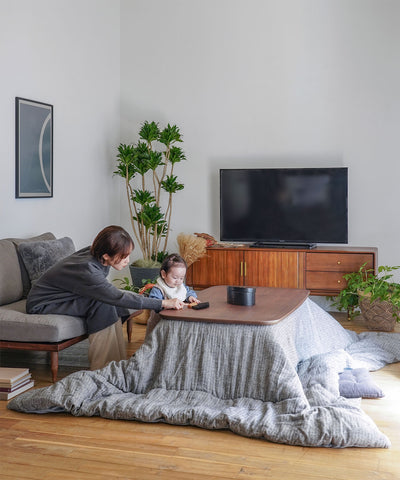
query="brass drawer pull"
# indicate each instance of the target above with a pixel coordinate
(339, 262)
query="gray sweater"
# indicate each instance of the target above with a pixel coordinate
(81, 275)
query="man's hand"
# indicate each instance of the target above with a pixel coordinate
(172, 303)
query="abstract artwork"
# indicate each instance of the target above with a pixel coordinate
(34, 149)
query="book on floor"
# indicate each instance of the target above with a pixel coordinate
(23, 388)
(9, 375)
(14, 386)
(17, 383)
(14, 381)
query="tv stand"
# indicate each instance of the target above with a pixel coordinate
(296, 246)
(319, 270)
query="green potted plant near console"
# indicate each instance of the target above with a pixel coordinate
(375, 295)
(150, 208)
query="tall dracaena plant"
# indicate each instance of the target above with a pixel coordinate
(141, 164)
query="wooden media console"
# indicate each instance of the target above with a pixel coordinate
(319, 270)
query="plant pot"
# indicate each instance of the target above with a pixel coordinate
(141, 275)
(378, 315)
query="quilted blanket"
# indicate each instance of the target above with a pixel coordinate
(276, 382)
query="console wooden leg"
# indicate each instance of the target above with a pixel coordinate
(54, 365)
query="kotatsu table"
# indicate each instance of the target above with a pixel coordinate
(272, 305)
(269, 372)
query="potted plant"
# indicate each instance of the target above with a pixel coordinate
(376, 296)
(150, 208)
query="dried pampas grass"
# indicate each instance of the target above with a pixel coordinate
(191, 248)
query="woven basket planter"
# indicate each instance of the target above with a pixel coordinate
(378, 315)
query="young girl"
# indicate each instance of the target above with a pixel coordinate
(170, 284)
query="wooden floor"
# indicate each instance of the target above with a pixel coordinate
(60, 446)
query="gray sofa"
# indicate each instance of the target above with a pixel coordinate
(21, 262)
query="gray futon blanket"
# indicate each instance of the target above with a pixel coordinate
(277, 382)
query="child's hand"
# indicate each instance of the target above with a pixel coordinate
(193, 299)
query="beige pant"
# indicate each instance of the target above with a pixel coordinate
(107, 345)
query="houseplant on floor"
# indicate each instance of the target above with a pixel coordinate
(150, 208)
(375, 295)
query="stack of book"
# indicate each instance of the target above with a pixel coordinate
(14, 381)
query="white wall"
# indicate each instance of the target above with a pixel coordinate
(250, 82)
(263, 83)
(66, 53)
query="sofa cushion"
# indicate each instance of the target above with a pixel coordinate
(41, 255)
(26, 283)
(18, 326)
(11, 288)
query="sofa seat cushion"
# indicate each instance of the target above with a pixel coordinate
(18, 326)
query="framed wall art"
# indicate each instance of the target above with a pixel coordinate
(34, 149)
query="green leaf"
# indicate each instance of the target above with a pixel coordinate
(160, 257)
(126, 161)
(149, 131)
(142, 158)
(169, 135)
(143, 197)
(170, 184)
(155, 160)
(176, 155)
(150, 215)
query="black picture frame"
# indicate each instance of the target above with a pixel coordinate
(33, 149)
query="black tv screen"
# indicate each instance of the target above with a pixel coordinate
(284, 205)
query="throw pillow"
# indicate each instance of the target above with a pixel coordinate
(356, 383)
(26, 283)
(40, 256)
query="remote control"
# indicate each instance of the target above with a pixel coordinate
(200, 306)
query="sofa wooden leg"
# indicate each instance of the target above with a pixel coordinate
(130, 321)
(129, 326)
(54, 365)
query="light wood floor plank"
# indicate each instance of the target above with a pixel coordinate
(60, 446)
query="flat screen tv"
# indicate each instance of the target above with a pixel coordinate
(285, 207)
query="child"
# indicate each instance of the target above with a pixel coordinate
(170, 284)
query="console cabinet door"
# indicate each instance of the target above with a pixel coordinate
(281, 269)
(218, 267)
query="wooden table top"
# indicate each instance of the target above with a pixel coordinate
(271, 306)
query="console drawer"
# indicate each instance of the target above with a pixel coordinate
(337, 262)
(325, 281)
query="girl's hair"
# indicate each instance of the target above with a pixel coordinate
(172, 260)
(114, 241)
